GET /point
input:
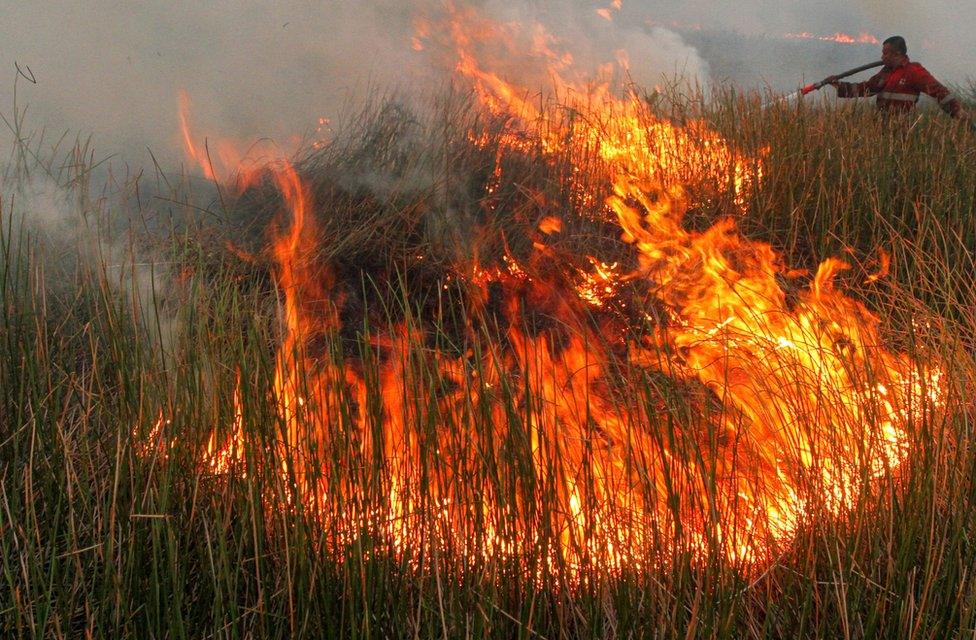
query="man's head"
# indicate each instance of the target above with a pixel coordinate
(894, 52)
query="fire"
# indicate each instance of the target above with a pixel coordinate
(236, 162)
(607, 12)
(618, 128)
(792, 403)
(841, 38)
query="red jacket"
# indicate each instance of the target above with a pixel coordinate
(897, 89)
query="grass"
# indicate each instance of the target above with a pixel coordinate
(112, 524)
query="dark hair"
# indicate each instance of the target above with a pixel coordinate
(898, 43)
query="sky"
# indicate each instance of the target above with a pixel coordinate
(114, 70)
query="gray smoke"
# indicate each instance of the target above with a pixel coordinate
(939, 34)
(258, 69)
(72, 237)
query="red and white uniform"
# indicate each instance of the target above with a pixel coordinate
(897, 89)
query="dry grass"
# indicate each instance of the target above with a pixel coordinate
(111, 527)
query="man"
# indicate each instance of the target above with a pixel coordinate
(899, 82)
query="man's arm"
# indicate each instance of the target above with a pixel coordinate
(927, 84)
(869, 87)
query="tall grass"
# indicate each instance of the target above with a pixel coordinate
(111, 523)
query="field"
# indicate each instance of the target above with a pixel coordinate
(573, 370)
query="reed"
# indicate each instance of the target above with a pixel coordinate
(122, 385)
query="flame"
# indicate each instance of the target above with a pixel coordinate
(618, 128)
(841, 38)
(794, 402)
(607, 12)
(235, 162)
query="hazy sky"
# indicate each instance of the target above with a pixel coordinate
(115, 69)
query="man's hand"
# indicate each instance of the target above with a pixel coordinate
(832, 80)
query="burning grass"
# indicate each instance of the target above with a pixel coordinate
(484, 373)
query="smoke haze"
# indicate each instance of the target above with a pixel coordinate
(256, 69)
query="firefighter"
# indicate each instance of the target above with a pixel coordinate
(899, 82)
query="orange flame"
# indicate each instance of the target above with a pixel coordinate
(236, 162)
(840, 38)
(796, 400)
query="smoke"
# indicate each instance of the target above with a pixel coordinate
(939, 34)
(746, 39)
(650, 54)
(252, 69)
(72, 238)
(258, 69)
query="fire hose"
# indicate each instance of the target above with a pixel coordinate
(817, 85)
